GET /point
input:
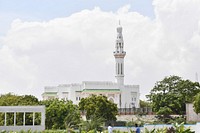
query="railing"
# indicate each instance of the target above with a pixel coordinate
(131, 111)
(134, 111)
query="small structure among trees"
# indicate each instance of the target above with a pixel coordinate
(193, 109)
(17, 118)
(191, 115)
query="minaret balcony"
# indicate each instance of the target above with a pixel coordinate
(118, 54)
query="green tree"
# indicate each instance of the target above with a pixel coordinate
(170, 95)
(61, 114)
(93, 124)
(16, 100)
(144, 104)
(197, 103)
(28, 100)
(97, 107)
(9, 100)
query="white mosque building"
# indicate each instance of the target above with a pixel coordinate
(125, 96)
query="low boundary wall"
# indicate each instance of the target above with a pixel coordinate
(193, 127)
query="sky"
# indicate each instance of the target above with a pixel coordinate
(52, 42)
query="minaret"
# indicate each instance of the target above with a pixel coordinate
(119, 54)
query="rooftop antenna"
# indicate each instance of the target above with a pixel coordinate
(196, 75)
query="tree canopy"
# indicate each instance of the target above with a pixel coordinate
(15, 100)
(170, 95)
(97, 107)
(197, 103)
(144, 104)
(61, 114)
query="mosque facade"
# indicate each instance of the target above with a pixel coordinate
(125, 96)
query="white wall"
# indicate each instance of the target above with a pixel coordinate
(126, 96)
(99, 85)
(190, 114)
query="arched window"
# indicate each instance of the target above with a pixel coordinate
(111, 99)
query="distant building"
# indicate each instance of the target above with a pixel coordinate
(125, 96)
(190, 113)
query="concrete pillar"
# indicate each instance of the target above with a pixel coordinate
(14, 118)
(33, 118)
(24, 120)
(43, 118)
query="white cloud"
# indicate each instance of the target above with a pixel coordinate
(179, 20)
(79, 47)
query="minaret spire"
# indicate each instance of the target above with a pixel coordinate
(119, 54)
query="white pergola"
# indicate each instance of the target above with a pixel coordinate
(24, 110)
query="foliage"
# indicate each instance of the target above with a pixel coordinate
(170, 95)
(197, 103)
(93, 124)
(45, 131)
(98, 107)
(15, 100)
(131, 123)
(139, 121)
(149, 131)
(28, 100)
(61, 114)
(160, 119)
(176, 128)
(144, 104)
(178, 119)
(181, 129)
(118, 131)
